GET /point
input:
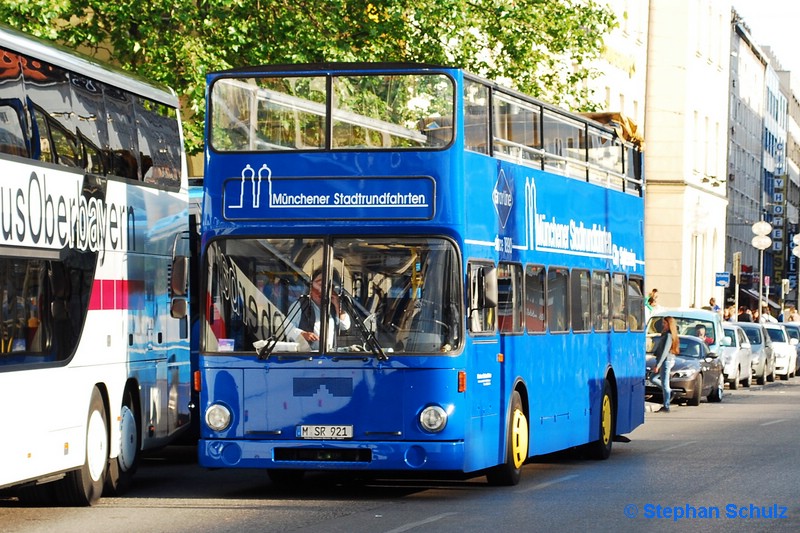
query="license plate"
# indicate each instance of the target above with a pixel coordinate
(325, 432)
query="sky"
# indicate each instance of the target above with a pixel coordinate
(774, 23)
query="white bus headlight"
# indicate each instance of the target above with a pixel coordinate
(218, 417)
(433, 419)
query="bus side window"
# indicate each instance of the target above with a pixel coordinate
(636, 303)
(94, 160)
(601, 296)
(158, 136)
(510, 309)
(41, 136)
(122, 137)
(92, 123)
(476, 117)
(12, 136)
(557, 299)
(66, 146)
(619, 318)
(581, 300)
(535, 309)
(48, 87)
(13, 128)
(482, 297)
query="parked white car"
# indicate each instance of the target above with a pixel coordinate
(690, 322)
(793, 329)
(785, 350)
(736, 357)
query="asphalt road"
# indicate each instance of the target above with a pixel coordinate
(731, 466)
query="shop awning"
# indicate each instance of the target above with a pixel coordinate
(754, 295)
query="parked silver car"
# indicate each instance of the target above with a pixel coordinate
(736, 358)
(785, 350)
(763, 360)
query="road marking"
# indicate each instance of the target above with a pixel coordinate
(547, 483)
(774, 422)
(681, 445)
(413, 525)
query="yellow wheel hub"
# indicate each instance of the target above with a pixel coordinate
(605, 430)
(519, 438)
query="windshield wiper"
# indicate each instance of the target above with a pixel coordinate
(264, 348)
(366, 333)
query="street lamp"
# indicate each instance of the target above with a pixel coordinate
(761, 242)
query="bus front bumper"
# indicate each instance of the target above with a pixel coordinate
(331, 455)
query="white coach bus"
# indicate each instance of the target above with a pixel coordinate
(94, 331)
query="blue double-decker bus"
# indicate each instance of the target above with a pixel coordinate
(410, 268)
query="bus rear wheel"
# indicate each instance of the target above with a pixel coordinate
(601, 448)
(510, 471)
(124, 466)
(84, 486)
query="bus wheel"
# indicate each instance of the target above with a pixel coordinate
(509, 472)
(285, 478)
(85, 486)
(123, 467)
(601, 448)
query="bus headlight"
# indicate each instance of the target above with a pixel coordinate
(218, 417)
(433, 419)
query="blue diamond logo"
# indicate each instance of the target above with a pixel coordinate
(502, 198)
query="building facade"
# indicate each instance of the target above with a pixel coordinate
(790, 86)
(623, 62)
(745, 156)
(686, 125)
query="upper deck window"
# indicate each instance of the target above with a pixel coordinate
(66, 117)
(376, 111)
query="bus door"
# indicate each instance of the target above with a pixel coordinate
(485, 378)
(178, 357)
(147, 353)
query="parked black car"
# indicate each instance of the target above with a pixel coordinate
(697, 373)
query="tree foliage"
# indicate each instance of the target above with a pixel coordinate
(541, 47)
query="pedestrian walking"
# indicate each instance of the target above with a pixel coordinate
(667, 347)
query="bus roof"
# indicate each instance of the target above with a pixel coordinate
(602, 121)
(58, 55)
(332, 66)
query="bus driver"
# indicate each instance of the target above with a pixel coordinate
(305, 314)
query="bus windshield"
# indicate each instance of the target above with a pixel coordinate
(365, 111)
(384, 295)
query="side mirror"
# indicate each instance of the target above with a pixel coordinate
(178, 308)
(747, 345)
(793, 342)
(711, 355)
(179, 287)
(727, 341)
(180, 276)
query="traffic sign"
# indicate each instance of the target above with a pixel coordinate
(723, 279)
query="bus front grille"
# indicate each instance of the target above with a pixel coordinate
(359, 455)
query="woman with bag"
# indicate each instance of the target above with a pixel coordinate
(667, 347)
